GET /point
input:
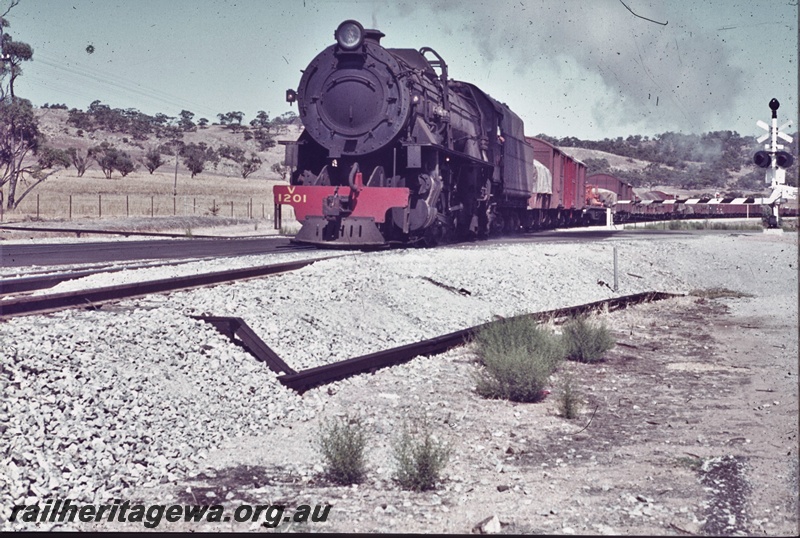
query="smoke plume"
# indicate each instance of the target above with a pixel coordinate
(655, 75)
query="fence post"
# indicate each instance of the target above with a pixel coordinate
(127, 206)
(70, 207)
(194, 206)
(151, 206)
(231, 208)
(250, 209)
(100, 206)
(37, 206)
(174, 205)
(262, 211)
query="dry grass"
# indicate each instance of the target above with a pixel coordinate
(719, 293)
(142, 194)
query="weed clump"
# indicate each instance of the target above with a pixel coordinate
(341, 443)
(569, 398)
(420, 460)
(585, 341)
(518, 358)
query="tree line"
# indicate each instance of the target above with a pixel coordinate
(691, 161)
(141, 126)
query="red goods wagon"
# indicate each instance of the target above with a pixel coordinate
(569, 174)
(624, 191)
(553, 159)
(569, 183)
(574, 183)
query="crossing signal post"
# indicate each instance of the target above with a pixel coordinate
(773, 158)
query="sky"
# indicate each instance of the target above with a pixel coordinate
(585, 68)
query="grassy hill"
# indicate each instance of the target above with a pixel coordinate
(61, 135)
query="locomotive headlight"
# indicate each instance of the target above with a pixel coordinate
(349, 35)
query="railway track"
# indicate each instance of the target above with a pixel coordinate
(93, 298)
(52, 254)
(48, 279)
(91, 231)
(241, 334)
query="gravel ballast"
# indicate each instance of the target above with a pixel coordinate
(100, 404)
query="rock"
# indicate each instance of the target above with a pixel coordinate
(686, 527)
(490, 525)
(604, 529)
(503, 487)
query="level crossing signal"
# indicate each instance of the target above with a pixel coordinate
(772, 157)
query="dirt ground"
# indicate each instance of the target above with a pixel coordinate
(688, 427)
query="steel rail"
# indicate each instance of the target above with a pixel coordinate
(328, 373)
(321, 375)
(31, 283)
(249, 340)
(126, 233)
(91, 298)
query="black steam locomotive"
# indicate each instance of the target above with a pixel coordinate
(395, 151)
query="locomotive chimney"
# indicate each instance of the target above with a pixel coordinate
(374, 35)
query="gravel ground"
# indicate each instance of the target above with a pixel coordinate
(139, 401)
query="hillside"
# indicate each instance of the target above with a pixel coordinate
(619, 162)
(637, 167)
(715, 161)
(61, 135)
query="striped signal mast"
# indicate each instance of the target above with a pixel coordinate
(773, 158)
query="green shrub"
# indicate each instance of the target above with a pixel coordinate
(341, 443)
(569, 398)
(518, 358)
(420, 460)
(584, 341)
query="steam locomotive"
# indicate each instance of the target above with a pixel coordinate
(394, 151)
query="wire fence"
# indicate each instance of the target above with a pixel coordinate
(55, 206)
